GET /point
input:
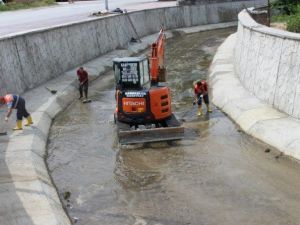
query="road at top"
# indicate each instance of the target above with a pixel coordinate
(216, 175)
(30, 19)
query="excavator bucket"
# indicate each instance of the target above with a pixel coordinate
(171, 131)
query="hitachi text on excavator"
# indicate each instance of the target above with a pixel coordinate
(143, 101)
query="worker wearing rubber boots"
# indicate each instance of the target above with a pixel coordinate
(201, 91)
(83, 82)
(16, 102)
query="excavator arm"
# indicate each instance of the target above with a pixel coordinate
(157, 60)
(144, 112)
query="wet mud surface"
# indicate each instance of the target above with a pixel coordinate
(215, 176)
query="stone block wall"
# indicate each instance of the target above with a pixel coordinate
(30, 59)
(267, 61)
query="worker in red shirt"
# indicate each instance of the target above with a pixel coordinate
(201, 91)
(83, 82)
(16, 102)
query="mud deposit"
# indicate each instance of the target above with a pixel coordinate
(215, 176)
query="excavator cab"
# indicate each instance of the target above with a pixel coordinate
(132, 73)
(138, 101)
(132, 90)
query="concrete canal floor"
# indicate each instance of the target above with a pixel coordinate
(215, 176)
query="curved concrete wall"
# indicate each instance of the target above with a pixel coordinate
(30, 59)
(267, 62)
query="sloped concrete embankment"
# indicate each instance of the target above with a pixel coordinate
(26, 192)
(255, 80)
(30, 59)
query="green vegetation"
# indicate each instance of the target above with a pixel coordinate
(25, 4)
(287, 7)
(289, 13)
(293, 23)
(280, 18)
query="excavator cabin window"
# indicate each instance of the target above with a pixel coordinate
(131, 72)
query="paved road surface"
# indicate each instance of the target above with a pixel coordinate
(29, 19)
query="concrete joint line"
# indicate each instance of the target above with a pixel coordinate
(264, 120)
(292, 141)
(295, 94)
(277, 71)
(35, 151)
(20, 62)
(43, 112)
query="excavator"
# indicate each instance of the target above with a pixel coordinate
(143, 101)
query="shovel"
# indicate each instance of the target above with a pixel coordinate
(52, 91)
(195, 102)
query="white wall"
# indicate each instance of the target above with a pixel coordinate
(267, 62)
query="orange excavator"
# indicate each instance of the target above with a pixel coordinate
(143, 102)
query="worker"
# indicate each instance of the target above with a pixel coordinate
(83, 82)
(16, 102)
(201, 91)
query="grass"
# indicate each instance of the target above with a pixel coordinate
(26, 4)
(280, 18)
(293, 23)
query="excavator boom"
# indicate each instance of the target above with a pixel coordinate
(157, 60)
(143, 111)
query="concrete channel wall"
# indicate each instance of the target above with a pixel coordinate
(255, 78)
(27, 195)
(28, 60)
(267, 61)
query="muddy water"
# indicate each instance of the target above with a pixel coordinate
(215, 176)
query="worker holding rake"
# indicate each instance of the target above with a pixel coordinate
(16, 102)
(201, 91)
(83, 83)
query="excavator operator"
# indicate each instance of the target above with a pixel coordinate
(201, 91)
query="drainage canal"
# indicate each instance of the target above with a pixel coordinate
(217, 175)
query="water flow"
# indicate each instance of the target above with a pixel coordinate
(215, 176)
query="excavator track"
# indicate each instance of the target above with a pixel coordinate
(143, 101)
(172, 130)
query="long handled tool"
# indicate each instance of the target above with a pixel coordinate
(130, 21)
(194, 102)
(52, 91)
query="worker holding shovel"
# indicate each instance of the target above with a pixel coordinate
(201, 91)
(83, 83)
(16, 102)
